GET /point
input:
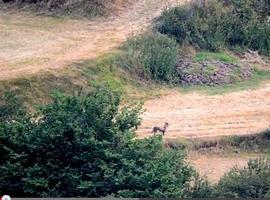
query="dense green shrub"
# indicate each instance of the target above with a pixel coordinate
(85, 147)
(218, 23)
(11, 107)
(253, 181)
(194, 24)
(152, 56)
(200, 189)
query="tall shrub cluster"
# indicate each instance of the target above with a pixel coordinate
(219, 23)
(152, 56)
(251, 182)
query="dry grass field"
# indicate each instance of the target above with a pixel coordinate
(199, 115)
(31, 43)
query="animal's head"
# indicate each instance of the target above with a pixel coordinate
(166, 124)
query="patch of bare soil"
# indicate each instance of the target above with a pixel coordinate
(194, 115)
(214, 166)
(30, 43)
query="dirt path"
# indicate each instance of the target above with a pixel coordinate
(214, 166)
(195, 115)
(29, 44)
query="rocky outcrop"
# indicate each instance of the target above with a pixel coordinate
(211, 72)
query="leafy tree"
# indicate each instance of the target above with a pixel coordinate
(86, 147)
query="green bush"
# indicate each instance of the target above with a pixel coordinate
(194, 24)
(11, 107)
(152, 56)
(219, 23)
(85, 147)
(251, 182)
(200, 189)
(258, 36)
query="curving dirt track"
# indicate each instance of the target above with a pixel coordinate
(195, 115)
(30, 43)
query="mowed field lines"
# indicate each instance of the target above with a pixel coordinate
(197, 115)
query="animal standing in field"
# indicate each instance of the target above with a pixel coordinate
(159, 129)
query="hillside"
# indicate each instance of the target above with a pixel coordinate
(60, 51)
(68, 74)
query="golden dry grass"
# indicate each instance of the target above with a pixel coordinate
(199, 115)
(30, 43)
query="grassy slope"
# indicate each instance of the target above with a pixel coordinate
(88, 74)
(107, 70)
(255, 143)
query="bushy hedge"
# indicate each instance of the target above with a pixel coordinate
(152, 56)
(231, 23)
(251, 182)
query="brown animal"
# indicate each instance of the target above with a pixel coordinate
(162, 130)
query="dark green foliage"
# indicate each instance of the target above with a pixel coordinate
(258, 37)
(200, 189)
(253, 181)
(152, 56)
(194, 24)
(85, 147)
(11, 107)
(232, 23)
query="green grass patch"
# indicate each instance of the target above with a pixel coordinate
(210, 69)
(108, 70)
(254, 82)
(221, 56)
(247, 143)
(256, 143)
